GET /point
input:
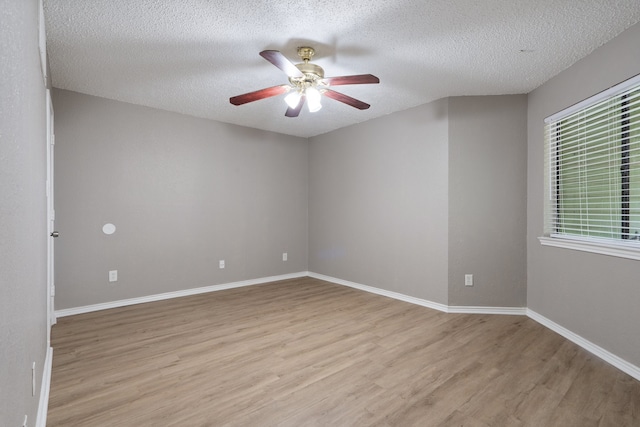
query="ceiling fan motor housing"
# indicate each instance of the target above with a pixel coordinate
(309, 68)
(312, 73)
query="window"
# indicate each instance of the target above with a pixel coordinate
(593, 173)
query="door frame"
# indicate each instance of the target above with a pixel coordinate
(51, 216)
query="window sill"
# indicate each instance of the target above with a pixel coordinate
(620, 251)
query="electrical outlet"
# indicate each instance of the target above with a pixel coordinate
(113, 275)
(468, 279)
(221, 263)
(284, 256)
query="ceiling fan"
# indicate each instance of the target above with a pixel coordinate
(307, 84)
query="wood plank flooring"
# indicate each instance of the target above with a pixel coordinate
(304, 352)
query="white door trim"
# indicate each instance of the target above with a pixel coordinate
(51, 216)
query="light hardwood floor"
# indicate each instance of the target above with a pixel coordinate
(304, 352)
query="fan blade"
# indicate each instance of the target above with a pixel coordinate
(346, 99)
(352, 80)
(280, 61)
(294, 112)
(259, 94)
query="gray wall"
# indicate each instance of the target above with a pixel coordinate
(595, 296)
(182, 192)
(412, 201)
(487, 200)
(23, 274)
(378, 203)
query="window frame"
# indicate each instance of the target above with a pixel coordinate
(623, 248)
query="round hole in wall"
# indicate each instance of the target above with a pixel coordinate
(108, 228)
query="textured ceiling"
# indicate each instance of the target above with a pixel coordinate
(191, 56)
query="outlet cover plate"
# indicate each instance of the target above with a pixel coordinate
(468, 279)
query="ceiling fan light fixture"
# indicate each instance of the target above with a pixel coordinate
(293, 99)
(313, 99)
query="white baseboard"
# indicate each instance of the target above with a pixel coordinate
(383, 292)
(176, 294)
(45, 386)
(512, 311)
(603, 354)
(423, 302)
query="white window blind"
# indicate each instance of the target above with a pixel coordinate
(594, 168)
